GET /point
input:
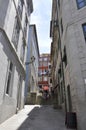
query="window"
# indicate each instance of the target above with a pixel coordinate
(84, 30)
(61, 26)
(40, 64)
(40, 72)
(40, 86)
(45, 79)
(61, 92)
(65, 57)
(60, 71)
(9, 78)
(29, 8)
(50, 80)
(25, 26)
(40, 79)
(59, 3)
(40, 59)
(45, 72)
(22, 54)
(45, 63)
(49, 66)
(58, 44)
(16, 32)
(45, 59)
(20, 7)
(81, 3)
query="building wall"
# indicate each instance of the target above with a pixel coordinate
(70, 20)
(13, 101)
(74, 73)
(44, 71)
(31, 84)
(76, 56)
(7, 103)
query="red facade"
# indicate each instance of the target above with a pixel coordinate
(44, 61)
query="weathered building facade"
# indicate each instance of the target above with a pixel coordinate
(14, 23)
(56, 57)
(71, 61)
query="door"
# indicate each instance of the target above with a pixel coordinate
(19, 94)
(69, 99)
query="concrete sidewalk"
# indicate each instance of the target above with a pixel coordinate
(35, 117)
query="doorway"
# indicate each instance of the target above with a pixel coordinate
(69, 99)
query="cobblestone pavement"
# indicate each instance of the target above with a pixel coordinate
(35, 117)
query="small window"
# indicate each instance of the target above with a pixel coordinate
(45, 70)
(9, 78)
(45, 63)
(58, 44)
(45, 59)
(59, 3)
(81, 3)
(65, 57)
(22, 54)
(84, 30)
(16, 32)
(61, 26)
(25, 26)
(50, 80)
(45, 79)
(40, 86)
(40, 78)
(49, 66)
(40, 59)
(20, 7)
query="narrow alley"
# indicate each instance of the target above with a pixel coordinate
(36, 117)
(42, 64)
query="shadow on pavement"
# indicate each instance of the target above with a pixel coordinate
(44, 118)
(26, 125)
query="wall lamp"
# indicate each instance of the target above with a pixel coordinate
(32, 60)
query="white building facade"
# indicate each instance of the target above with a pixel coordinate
(14, 23)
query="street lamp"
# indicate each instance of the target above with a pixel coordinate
(30, 62)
